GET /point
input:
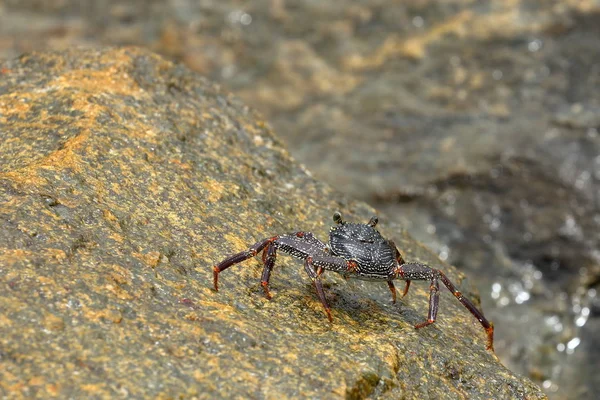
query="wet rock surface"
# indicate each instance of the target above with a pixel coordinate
(473, 125)
(123, 179)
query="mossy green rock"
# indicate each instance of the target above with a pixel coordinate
(123, 179)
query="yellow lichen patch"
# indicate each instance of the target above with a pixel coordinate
(67, 156)
(14, 103)
(120, 275)
(110, 80)
(199, 375)
(176, 221)
(236, 243)
(182, 165)
(53, 323)
(70, 202)
(207, 116)
(117, 237)
(24, 177)
(192, 316)
(5, 322)
(154, 188)
(178, 286)
(12, 204)
(45, 280)
(56, 254)
(36, 381)
(92, 388)
(151, 258)
(117, 186)
(118, 292)
(290, 357)
(218, 307)
(53, 389)
(215, 189)
(15, 388)
(111, 218)
(10, 257)
(49, 287)
(102, 315)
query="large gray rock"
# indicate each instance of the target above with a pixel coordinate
(123, 179)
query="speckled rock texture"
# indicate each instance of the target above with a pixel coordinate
(123, 179)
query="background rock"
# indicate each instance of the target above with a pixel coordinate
(474, 125)
(123, 179)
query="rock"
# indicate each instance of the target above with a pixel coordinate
(123, 179)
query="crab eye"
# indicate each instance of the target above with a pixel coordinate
(373, 221)
(337, 217)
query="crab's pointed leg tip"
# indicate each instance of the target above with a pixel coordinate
(265, 286)
(216, 278)
(490, 338)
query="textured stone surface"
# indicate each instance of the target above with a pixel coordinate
(123, 178)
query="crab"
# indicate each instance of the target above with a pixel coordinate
(356, 251)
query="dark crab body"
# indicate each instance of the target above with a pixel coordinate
(354, 251)
(375, 257)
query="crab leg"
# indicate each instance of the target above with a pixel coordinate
(297, 244)
(393, 290)
(418, 271)
(316, 265)
(239, 257)
(316, 278)
(269, 257)
(434, 301)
